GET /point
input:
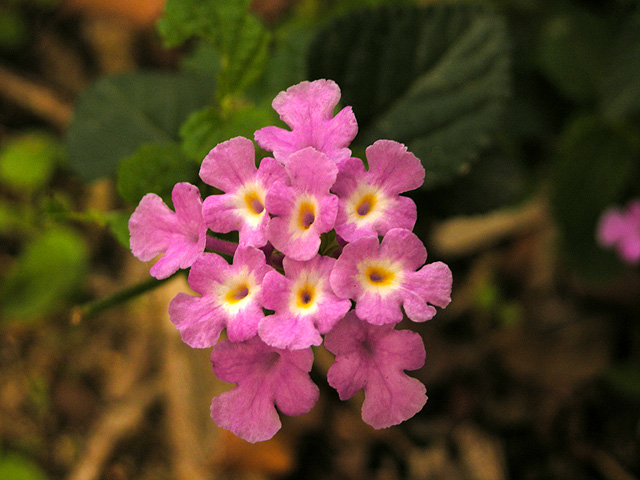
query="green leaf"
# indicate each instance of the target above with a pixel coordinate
(120, 112)
(118, 224)
(287, 64)
(17, 467)
(573, 49)
(241, 40)
(494, 181)
(47, 271)
(28, 161)
(154, 168)
(14, 30)
(625, 378)
(434, 78)
(621, 85)
(203, 130)
(594, 164)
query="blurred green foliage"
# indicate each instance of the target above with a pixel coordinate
(16, 467)
(498, 98)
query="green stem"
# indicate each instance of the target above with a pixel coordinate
(91, 309)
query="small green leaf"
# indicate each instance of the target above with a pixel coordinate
(28, 161)
(434, 78)
(48, 270)
(14, 30)
(17, 467)
(593, 166)
(203, 130)
(118, 224)
(12, 219)
(154, 168)
(202, 60)
(119, 113)
(239, 37)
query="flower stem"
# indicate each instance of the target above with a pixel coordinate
(91, 309)
(221, 246)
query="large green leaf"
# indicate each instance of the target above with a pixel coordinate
(117, 114)
(572, 52)
(241, 40)
(621, 86)
(594, 165)
(434, 78)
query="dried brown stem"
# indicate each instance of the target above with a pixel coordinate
(116, 422)
(35, 98)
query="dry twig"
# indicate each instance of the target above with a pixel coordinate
(35, 98)
(116, 422)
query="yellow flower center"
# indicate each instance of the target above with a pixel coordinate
(236, 294)
(306, 215)
(305, 296)
(365, 205)
(379, 276)
(254, 202)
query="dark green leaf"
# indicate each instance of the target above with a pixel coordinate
(625, 378)
(48, 271)
(573, 49)
(120, 112)
(206, 128)
(494, 181)
(154, 168)
(435, 79)
(621, 85)
(594, 164)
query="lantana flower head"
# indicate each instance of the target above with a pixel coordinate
(266, 378)
(180, 236)
(308, 109)
(304, 304)
(620, 229)
(373, 358)
(288, 287)
(230, 297)
(382, 278)
(370, 203)
(304, 209)
(230, 167)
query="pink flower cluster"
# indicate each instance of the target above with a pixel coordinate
(289, 287)
(620, 229)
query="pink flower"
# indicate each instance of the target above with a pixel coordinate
(308, 109)
(620, 229)
(230, 297)
(266, 378)
(303, 302)
(180, 236)
(382, 277)
(305, 209)
(230, 167)
(369, 200)
(374, 358)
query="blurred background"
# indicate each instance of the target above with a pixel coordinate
(526, 116)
